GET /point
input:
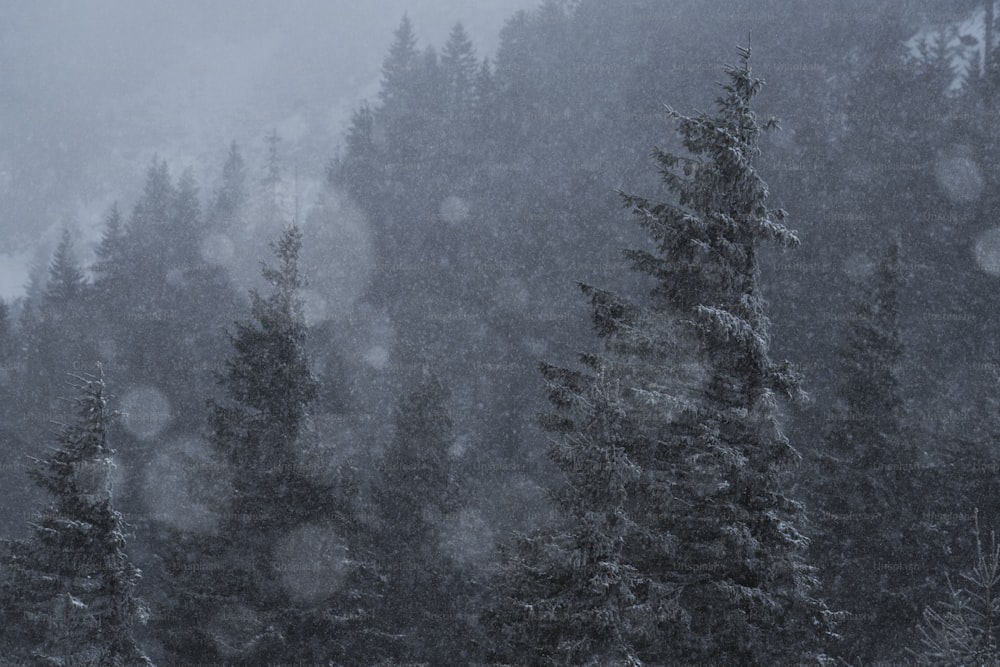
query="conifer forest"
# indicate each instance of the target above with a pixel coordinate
(534, 333)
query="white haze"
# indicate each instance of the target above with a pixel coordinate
(93, 89)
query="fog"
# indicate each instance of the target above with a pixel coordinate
(92, 89)
(507, 332)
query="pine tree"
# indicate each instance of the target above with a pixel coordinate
(866, 488)
(679, 544)
(963, 629)
(273, 205)
(154, 209)
(66, 281)
(484, 104)
(147, 251)
(8, 343)
(274, 502)
(398, 65)
(186, 219)
(55, 323)
(870, 360)
(361, 174)
(161, 300)
(109, 250)
(459, 66)
(69, 590)
(415, 497)
(231, 195)
(399, 119)
(269, 378)
(416, 481)
(272, 177)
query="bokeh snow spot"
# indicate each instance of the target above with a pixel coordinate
(187, 485)
(859, 266)
(175, 277)
(217, 249)
(107, 349)
(312, 562)
(467, 538)
(513, 292)
(987, 251)
(377, 357)
(235, 629)
(314, 307)
(958, 175)
(460, 445)
(454, 210)
(536, 347)
(146, 412)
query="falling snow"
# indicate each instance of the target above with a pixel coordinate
(145, 412)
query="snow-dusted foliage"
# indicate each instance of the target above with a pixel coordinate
(288, 551)
(962, 630)
(679, 544)
(866, 499)
(68, 591)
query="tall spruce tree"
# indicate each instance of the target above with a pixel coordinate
(484, 100)
(272, 203)
(459, 66)
(185, 226)
(248, 595)
(415, 498)
(66, 282)
(7, 338)
(963, 629)
(109, 250)
(678, 544)
(55, 322)
(232, 193)
(416, 481)
(398, 65)
(871, 536)
(152, 213)
(69, 590)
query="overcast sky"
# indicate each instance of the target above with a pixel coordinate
(92, 89)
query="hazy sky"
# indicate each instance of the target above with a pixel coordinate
(92, 89)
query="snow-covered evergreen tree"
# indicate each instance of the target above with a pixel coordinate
(398, 65)
(679, 544)
(66, 282)
(866, 495)
(239, 600)
(416, 498)
(459, 67)
(69, 590)
(963, 630)
(109, 250)
(416, 482)
(56, 330)
(231, 196)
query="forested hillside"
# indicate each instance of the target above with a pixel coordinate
(664, 335)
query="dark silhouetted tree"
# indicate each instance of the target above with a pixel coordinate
(56, 325)
(679, 544)
(415, 498)
(247, 595)
(231, 196)
(962, 630)
(107, 266)
(69, 590)
(66, 281)
(397, 67)
(866, 491)
(459, 68)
